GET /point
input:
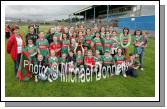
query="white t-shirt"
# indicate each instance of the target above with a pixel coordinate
(19, 44)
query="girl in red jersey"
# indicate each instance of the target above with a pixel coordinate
(56, 45)
(89, 60)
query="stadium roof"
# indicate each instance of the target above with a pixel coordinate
(82, 10)
(99, 8)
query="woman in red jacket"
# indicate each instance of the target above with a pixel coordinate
(15, 44)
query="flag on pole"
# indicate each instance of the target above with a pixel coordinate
(23, 73)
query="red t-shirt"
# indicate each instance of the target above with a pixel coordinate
(90, 60)
(54, 47)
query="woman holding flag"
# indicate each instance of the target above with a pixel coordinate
(15, 47)
(15, 44)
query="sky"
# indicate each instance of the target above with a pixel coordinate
(41, 12)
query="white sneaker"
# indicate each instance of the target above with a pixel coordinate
(99, 74)
(124, 75)
(142, 69)
(112, 74)
(36, 79)
(50, 80)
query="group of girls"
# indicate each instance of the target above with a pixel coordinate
(79, 45)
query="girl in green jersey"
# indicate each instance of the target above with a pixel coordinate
(119, 59)
(102, 32)
(79, 59)
(98, 42)
(116, 41)
(88, 38)
(65, 44)
(31, 49)
(98, 57)
(62, 61)
(125, 40)
(53, 66)
(107, 59)
(138, 42)
(43, 45)
(107, 43)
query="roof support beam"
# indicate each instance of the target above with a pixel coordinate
(107, 13)
(85, 16)
(94, 14)
(79, 17)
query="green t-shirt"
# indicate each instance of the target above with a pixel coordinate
(138, 39)
(65, 44)
(62, 60)
(119, 59)
(102, 35)
(43, 46)
(115, 44)
(53, 60)
(99, 58)
(88, 40)
(107, 60)
(79, 60)
(98, 43)
(135, 62)
(110, 34)
(107, 43)
(31, 49)
(93, 34)
(58, 34)
(125, 40)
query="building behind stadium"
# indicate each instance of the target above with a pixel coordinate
(131, 16)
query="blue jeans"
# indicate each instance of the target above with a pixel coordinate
(141, 57)
(140, 52)
(16, 63)
(132, 72)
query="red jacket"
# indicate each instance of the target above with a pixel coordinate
(12, 46)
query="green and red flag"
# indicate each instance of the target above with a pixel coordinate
(23, 73)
